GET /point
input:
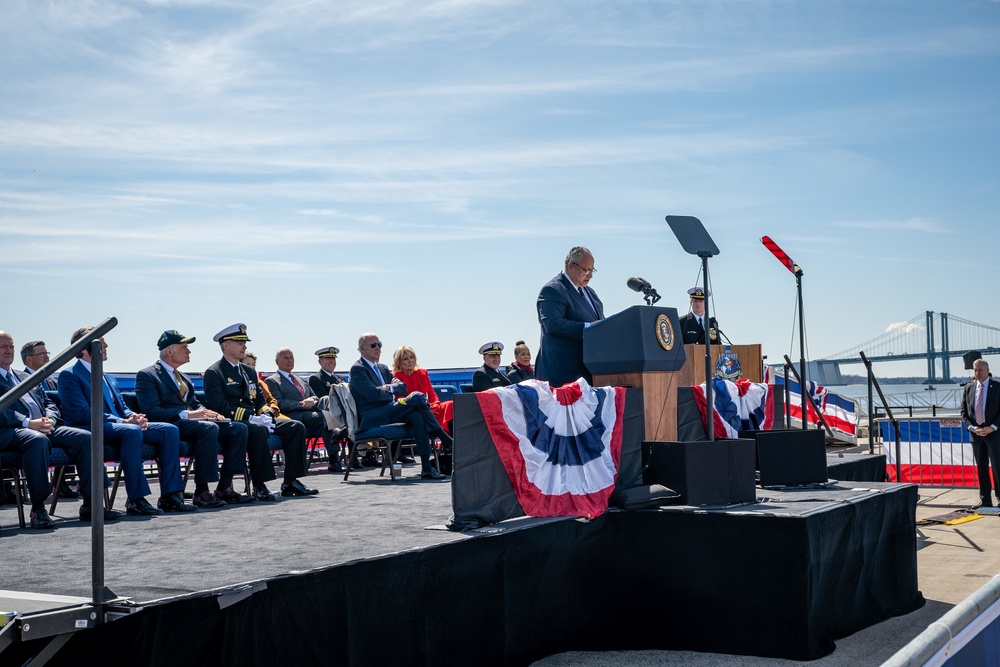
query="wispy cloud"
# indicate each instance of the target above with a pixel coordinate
(911, 225)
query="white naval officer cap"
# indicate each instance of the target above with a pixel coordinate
(236, 331)
(494, 347)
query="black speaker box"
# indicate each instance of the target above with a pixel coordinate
(704, 473)
(791, 458)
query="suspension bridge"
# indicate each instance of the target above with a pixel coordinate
(936, 337)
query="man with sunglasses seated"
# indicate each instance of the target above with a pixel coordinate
(382, 399)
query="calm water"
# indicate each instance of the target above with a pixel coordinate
(861, 390)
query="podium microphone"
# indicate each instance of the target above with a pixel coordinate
(642, 285)
(638, 284)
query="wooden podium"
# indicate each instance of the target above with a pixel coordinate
(693, 371)
(642, 347)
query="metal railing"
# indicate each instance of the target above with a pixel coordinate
(100, 594)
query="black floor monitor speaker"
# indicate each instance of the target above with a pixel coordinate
(791, 458)
(704, 473)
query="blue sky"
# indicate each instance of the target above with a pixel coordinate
(419, 169)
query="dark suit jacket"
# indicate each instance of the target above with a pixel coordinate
(991, 411)
(159, 397)
(15, 415)
(48, 383)
(693, 333)
(287, 395)
(74, 397)
(486, 378)
(562, 313)
(234, 391)
(372, 402)
(321, 382)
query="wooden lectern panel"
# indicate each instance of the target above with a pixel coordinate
(659, 400)
(693, 371)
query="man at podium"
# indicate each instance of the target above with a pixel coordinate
(566, 306)
(693, 325)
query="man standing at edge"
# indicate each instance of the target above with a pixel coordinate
(567, 306)
(981, 415)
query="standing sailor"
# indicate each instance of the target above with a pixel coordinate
(693, 324)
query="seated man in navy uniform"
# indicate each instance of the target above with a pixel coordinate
(165, 394)
(693, 324)
(488, 375)
(127, 430)
(33, 425)
(321, 381)
(382, 399)
(232, 389)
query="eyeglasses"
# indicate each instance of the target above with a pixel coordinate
(589, 272)
(38, 354)
(374, 345)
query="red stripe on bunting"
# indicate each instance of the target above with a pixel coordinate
(532, 500)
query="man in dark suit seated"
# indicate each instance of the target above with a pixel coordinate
(297, 400)
(489, 374)
(167, 395)
(693, 324)
(981, 414)
(33, 425)
(567, 306)
(128, 430)
(35, 355)
(233, 390)
(382, 399)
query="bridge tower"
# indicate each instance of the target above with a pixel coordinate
(930, 346)
(945, 351)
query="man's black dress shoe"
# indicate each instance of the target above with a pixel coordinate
(66, 492)
(230, 496)
(264, 495)
(432, 474)
(207, 499)
(982, 503)
(41, 519)
(405, 459)
(297, 488)
(334, 466)
(174, 503)
(141, 507)
(109, 515)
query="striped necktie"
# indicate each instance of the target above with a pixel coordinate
(981, 404)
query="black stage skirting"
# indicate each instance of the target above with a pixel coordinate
(781, 578)
(856, 467)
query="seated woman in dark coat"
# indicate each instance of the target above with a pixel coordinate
(521, 369)
(488, 375)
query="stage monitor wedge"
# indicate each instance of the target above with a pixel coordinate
(791, 458)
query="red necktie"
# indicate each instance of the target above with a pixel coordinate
(298, 386)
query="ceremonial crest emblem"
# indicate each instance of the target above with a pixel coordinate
(665, 333)
(728, 366)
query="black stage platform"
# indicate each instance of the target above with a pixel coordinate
(353, 577)
(782, 578)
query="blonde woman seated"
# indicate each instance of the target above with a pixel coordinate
(404, 367)
(521, 369)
